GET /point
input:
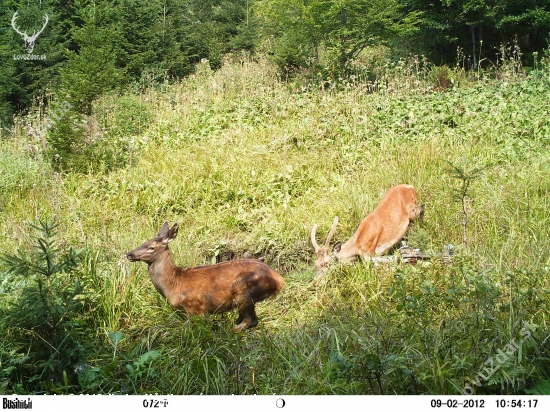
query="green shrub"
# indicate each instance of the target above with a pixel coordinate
(67, 143)
(123, 116)
(45, 317)
(71, 147)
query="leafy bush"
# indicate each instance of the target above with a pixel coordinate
(72, 147)
(45, 318)
(120, 375)
(67, 143)
(123, 116)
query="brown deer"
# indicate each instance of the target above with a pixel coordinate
(377, 233)
(208, 289)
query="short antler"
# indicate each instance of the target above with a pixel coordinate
(331, 233)
(313, 240)
(329, 237)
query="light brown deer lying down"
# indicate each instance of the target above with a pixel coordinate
(377, 233)
(208, 289)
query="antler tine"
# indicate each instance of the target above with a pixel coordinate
(332, 230)
(43, 27)
(13, 24)
(313, 240)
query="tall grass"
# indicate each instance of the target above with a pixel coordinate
(244, 162)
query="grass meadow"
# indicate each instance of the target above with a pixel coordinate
(245, 162)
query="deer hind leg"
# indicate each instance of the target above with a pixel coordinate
(396, 236)
(252, 286)
(248, 288)
(383, 248)
(247, 317)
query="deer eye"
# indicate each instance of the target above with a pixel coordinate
(151, 248)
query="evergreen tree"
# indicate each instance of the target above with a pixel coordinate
(88, 73)
(8, 81)
(211, 28)
(22, 80)
(244, 30)
(90, 70)
(294, 29)
(138, 36)
(171, 61)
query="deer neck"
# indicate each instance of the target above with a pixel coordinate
(162, 272)
(348, 250)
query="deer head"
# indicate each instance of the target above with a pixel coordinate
(29, 40)
(151, 250)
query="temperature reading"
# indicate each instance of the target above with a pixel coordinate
(155, 403)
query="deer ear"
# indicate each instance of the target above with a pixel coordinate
(163, 232)
(337, 247)
(172, 233)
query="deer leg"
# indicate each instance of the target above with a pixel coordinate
(247, 317)
(383, 248)
(239, 319)
(248, 288)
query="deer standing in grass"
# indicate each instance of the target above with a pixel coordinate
(208, 289)
(377, 233)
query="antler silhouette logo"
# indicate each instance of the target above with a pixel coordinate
(29, 40)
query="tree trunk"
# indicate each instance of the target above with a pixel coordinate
(473, 33)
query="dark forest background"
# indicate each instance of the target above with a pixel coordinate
(130, 43)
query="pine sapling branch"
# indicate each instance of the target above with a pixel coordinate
(461, 194)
